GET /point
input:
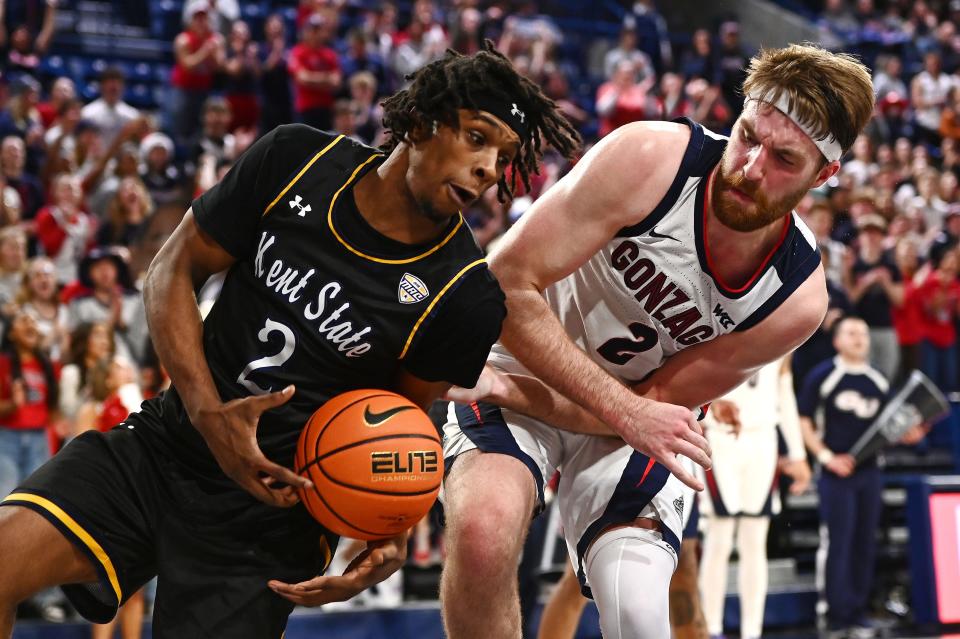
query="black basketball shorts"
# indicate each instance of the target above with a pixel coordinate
(136, 513)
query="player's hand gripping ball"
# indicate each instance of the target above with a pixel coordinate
(376, 464)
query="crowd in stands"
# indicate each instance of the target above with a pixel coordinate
(89, 190)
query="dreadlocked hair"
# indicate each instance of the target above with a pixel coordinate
(440, 88)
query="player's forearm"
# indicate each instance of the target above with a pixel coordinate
(530, 396)
(176, 327)
(536, 338)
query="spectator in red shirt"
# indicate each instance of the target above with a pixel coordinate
(315, 69)
(28, 400)
(199, 54)
(907, 316)
(939, 296)
(64, 231)
(623, 99)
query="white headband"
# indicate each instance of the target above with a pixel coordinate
(828, 146)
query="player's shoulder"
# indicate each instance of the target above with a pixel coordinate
(294, 143)
(683, 141)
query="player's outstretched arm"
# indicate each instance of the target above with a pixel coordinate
(183, 263)
(615, 185)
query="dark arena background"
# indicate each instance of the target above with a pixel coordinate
(107, 138)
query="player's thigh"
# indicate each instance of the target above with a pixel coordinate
(497, 463)
(36, 555)
(604, 485)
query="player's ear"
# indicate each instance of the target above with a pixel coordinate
(826, 172)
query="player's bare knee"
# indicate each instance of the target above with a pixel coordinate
(490, 536)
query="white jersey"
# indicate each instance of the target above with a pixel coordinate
(651, 291)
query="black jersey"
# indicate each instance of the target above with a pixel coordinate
(319, 299)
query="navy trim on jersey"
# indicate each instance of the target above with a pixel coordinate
(702, 153)
(636, 487)
(791, 259)
(485, 426)
(803, 267)
(716, 500)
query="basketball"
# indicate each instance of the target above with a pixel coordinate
(375, 461)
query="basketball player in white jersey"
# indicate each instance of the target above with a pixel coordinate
(666, 267)
(741, 489)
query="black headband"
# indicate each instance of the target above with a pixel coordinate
(512, 113)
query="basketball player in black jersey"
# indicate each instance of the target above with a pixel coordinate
(348, 268)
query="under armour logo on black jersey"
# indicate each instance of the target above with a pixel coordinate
(295, 204)
(516, 111)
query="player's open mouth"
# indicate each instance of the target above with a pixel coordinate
(461, 195)
(740, 195)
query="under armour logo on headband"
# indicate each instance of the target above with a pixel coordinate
(516, 111)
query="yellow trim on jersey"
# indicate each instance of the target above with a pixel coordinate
(300, 174)
(434, 303)
(77, 530)
(333, 230)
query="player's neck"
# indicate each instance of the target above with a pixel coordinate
(736, 256)
(385, 202)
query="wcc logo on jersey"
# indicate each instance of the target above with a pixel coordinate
(412, 290)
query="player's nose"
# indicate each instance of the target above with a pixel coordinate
(485, 167)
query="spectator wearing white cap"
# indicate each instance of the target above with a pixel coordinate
(158, 172)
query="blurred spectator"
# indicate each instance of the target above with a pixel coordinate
(222, 14)
(21, 117)
(114, 394)
(928, 94)
(13, 259)
(159, 174)
(950, 115)
(908, 316)
(215, 138)
(705, 105)
(420, 45)
(111, 298)
(672, 99)
(732, 62)
(13, 155)
(90, 344)
(819, 218)
(699, 61)
(647, 19)
(199, 53)
(838, 19)
(126, 163)
(242, 77)
(11, 208)
(28, 400)
(62, 90)
(361, 56)
(109, 112)
(344, 120)
(939, 299)
(126, 214)
(39, 298)
(888, 79)
(557, 88)
(60, 138)
(875, 287)
(861, 168)
(315, 69)
(64, 231)
(23, 51)
(890, 120)
(623, 99)
(367, 113)
(466, 36)
(274, 77)
(627, 49)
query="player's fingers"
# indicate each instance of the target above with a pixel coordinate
(461, 395)
(698, 456)
(681, 473)
(263, 403)
(284, 475)
(699, 441)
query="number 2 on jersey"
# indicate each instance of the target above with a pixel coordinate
(289, 343)
(621, 350)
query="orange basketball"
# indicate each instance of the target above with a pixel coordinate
(375, 461)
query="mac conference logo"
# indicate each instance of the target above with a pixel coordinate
(412, 289)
